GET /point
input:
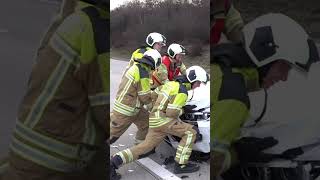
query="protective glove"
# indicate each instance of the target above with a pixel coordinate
(249, 149)
(291, 153)
(189, 108)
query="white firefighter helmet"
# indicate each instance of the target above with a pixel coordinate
(274, 37)
(155, 38)
(175, 49)
(196, 73)
(152, 58)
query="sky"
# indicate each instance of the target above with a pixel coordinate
(117, 3)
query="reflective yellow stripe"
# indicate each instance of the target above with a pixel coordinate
(164, 94)
(51, 146)
(124, 106)
(121, 111)
(62, 48)
(47, 93)
(143, 92)
(181, 149)
(157, 91)
(125, 90)
(173, 106)
(43, 158)
(184, 155)
(99, 99)
(124, 109)
(129, 154)
(163, 101)
(45, 142)
(157, 122)
(130, 77)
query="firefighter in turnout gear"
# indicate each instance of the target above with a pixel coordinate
(265, 58)
(171, 66)
(153, 41)
(164, 120)
(62, 120)
(133, 94)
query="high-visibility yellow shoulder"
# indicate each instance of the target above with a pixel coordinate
(76, 30)
(133, 73)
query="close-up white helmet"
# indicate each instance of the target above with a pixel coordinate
(155, 38)
(175, 49)
(196, 73)
(274, 37)
(152, 58)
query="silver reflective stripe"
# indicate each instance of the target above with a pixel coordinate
(47, 93)
(90, 131)
(41, 158)
(99, 99)
(46, 142)
(62, 48)
(3, 167)
(89, 137)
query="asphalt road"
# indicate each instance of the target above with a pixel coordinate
(22, 24)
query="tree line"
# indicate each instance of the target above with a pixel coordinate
(178, 20)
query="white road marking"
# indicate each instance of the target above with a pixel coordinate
(157, 170)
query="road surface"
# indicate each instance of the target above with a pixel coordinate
(22, 24)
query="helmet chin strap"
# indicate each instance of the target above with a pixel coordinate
(256, 121)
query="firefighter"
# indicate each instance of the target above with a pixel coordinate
(171, 66)
(133, 95)
(164, 120)
(62, 119)
(225, 19)
(266, 57)
(154, 40)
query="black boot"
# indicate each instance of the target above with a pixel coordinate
(115, 162)
(185, 168)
